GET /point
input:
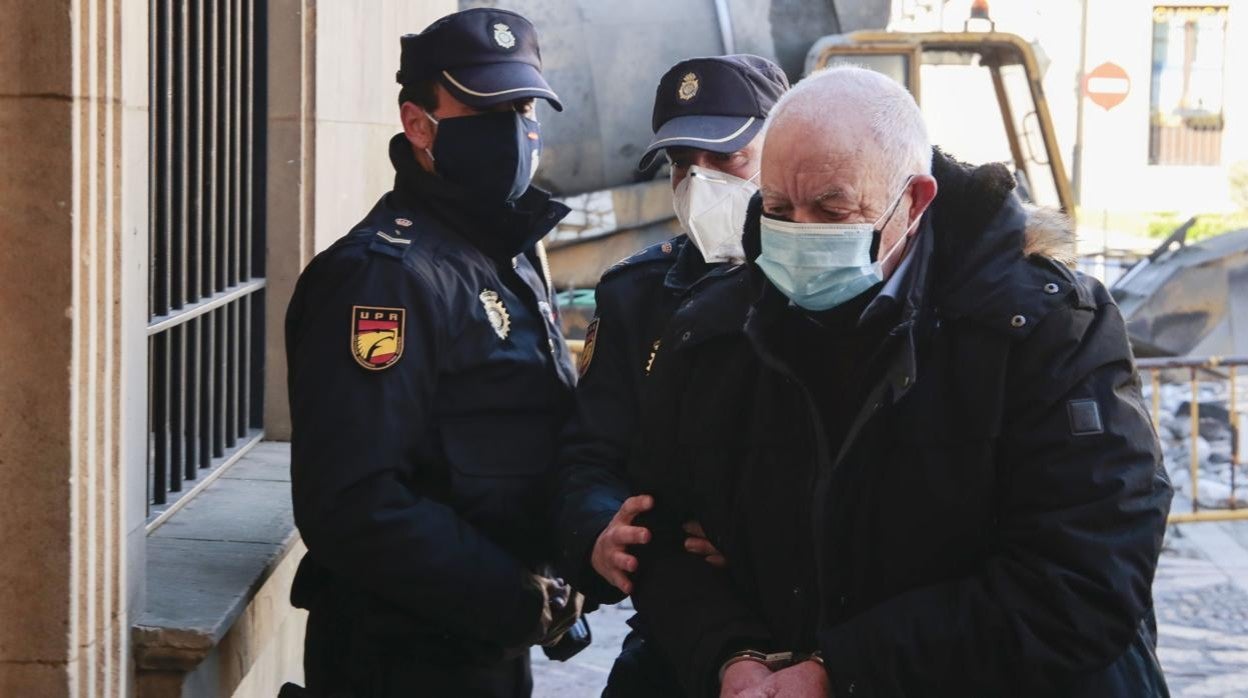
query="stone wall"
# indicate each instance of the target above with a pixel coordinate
(73, 181)
(333, 108)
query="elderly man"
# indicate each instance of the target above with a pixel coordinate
(925, 455)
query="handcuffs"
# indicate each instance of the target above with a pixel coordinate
(774, 661)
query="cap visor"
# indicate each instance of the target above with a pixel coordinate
(494, 83)
(720, 134)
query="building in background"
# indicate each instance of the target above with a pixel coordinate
(166, 170)
(1163, 127)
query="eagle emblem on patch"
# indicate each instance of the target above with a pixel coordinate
(503, 36)
(688, 87)
(376, 336)
(496, 313)
(587, 350)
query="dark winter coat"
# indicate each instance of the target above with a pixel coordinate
(635, 300)
(987, 524)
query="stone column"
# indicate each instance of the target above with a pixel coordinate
(73, 182)
(332, 110)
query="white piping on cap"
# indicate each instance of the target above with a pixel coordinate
(474, 93)
(725, 139)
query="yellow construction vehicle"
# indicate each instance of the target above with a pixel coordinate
(971, 82)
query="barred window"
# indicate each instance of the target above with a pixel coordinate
(206, 237)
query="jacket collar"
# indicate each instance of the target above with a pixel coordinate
(501, 232)
(690, 268)
(967, 239)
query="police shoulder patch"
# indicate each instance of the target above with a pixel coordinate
(377, 336)
(587, 351)
(496, 312)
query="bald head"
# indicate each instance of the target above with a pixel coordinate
(840, 147)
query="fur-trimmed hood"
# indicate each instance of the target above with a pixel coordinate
(969, 197)
(1050, 233)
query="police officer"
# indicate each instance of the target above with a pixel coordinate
(708, 120)
(427, 383)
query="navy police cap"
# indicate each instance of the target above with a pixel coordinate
(483, 56)
(717, 103)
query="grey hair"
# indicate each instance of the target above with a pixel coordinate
(893, 117)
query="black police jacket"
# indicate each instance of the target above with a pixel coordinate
(989, 525)
(428, 381)
(634, 301)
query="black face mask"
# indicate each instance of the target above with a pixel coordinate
(494, 155)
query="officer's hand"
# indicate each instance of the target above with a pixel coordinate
(803, 680)
(561, 606)
(565, 605)
(741, 677)
(610, 558)
(698, 544)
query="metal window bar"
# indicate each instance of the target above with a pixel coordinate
(206, 281)
(1218, 369)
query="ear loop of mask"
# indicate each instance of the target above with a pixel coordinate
(887, 216)
(435, 123)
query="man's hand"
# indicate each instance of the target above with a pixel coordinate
(803, 680)
(698, 544)
(741, 677)
(610, 558)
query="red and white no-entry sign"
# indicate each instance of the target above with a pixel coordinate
(1107, 85)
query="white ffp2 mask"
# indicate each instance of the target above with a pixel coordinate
(711, 207)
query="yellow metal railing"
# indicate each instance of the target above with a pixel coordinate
(1195, 366)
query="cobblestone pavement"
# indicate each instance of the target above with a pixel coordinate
(1201, 593)
(586, 673)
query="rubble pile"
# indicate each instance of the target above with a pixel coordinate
(1214, 443)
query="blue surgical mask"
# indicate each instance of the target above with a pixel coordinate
(822, 265)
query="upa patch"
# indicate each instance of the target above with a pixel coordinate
(587, 351)
(376, 336)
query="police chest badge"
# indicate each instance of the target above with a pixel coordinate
(496, 313)
(503, 36)
(587, 351)
(688, 87)
(376, 336)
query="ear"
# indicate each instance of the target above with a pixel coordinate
(417, 127)
(922, 193)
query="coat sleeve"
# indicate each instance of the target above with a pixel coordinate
(354, 433)
(691, 610)
(1083, 513)
(593, 456)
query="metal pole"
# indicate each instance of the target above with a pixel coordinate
(1195, 461)
(1076, 155)
(1233, 418)
(1156, 398)
(724, 16)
